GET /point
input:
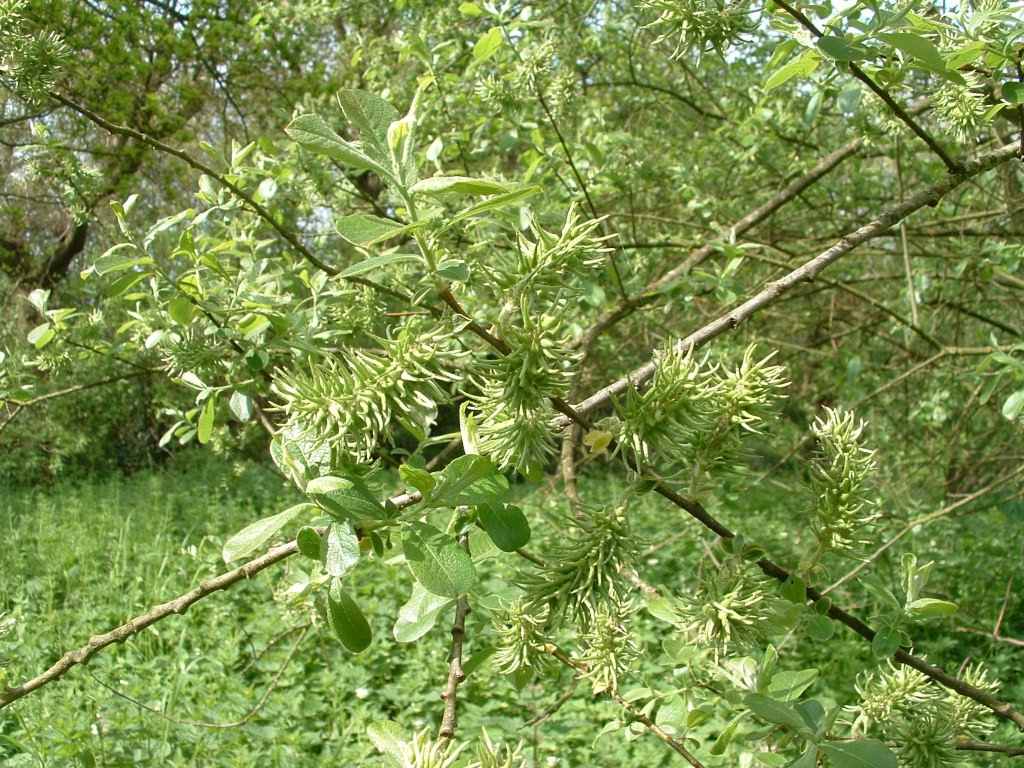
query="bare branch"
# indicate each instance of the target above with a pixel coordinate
(450, 720)
(177, 606)
(636, 714)
(951, 165)
(739, 227)
(219, 726)
(889, 217)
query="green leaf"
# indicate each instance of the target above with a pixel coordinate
(314, 134)
(205, 426)
(181, 310)
(464, 185)
(812, 712)
(929, 608)
(419, 614)
(1013, 92)
(788, 686)
(342, 549)
(347, 621)
(437, 561)
(917, 47)
(794, 590)
(494, 203)
(672, 713)
(388, 738)
(488, 44)
(773, 711)
(310, 543)
(41, 335)
(468, 480)
(838, 49)
(1014, 405)
(370, 115)
(820, 628)
(241, 405)
(801, 66)
(418, 478)
(885, 642)
(662, 608)
(254, 536)
(376, 262)
(115, 261)
(726, 736)
(453, 269)
(345, 498)
(506, 525)
(865, 753)
(470, 9)
(364, 229)
(253, 325)
(809, 759)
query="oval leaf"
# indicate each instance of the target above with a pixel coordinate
(205, 427)
(347, 621)
(310, 543)
(506, 525)
(865, 753)
(774, 711)
(465, 185)
(254, 536)
(438, 562)
(342, 549)
(419, 614)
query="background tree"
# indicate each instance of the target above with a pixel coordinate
(410, 268)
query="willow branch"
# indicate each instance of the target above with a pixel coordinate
(739, 227)
(456, 674)
(980, 746)
(259, 209)
(889, 217)
(176, 607)
(212, 725)
(20, 405)
(636, 714)
(885, 220)
(922, 520)
(951, 165)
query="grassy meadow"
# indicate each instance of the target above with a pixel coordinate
(225, 685)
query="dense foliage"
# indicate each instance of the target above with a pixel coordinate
(516, 296)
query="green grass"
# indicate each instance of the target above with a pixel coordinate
(79, 559)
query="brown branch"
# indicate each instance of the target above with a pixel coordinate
(450, 720)
(220, 726)
(885, 220)
(889, 217)
(739, 227)
(257, 208)
(951, 165)
(981, 746)
(177, 606)
(637, 715)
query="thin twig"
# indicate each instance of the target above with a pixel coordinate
(562, 699)
(456, 674)
(177, 606)
(886, 219)
(637, 715)
(739, 227)
(980, 746)
(260, 210)
(220, 726)
(922, 520)
(951, 165)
